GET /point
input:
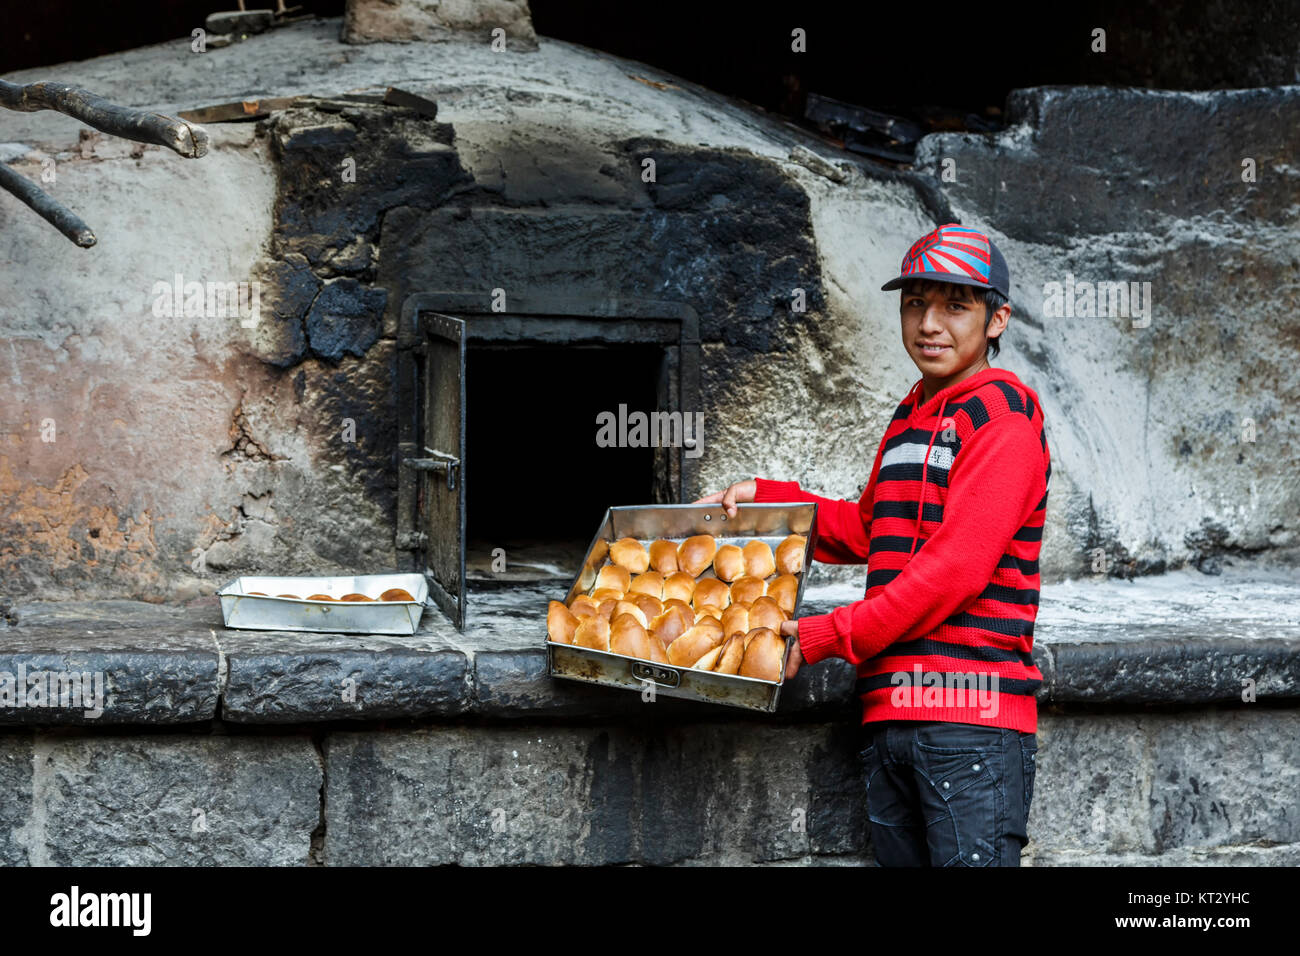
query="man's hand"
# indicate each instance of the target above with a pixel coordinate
(790, 631)
(740, 491)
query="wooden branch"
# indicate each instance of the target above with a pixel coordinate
(46, 207)
(138, 125)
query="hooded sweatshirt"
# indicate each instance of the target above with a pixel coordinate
(950, 527)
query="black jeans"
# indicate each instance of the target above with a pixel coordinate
(945, 794)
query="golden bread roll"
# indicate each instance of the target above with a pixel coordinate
(592, 632)
(628, 607)
(629, 553)
(711, 591)
(663, 556)
(584, 605)
(735, 618)
(588, 577)
(759, 562)
(320, 597)
(691, 646)
(709, 658)
(396, 594)
(764, 652)
(747, 589)
(677, 602)
(605, 607)
(708, 610)
(355, 597)
(675, 621)
(650, 606)
(765, 612)
(733, 652)
(713, 626)
(560, 623)
(696, 553)
(784, 588)
(649, 582)
(613, 576)
(790, 554)
(658, 653)
(628, 637)
(258, 593)
(679, 585)
(294, 596)
(729, 562)
(601, 594)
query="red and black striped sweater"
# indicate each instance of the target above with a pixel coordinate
(946, 628)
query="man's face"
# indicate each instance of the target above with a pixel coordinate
(943, 328)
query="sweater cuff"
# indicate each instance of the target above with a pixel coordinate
(767, 490)
(817, 638)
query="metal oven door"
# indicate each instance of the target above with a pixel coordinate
(431, 452)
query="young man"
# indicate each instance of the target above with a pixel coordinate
(950, 526)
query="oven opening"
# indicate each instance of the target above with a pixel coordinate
(537, 482)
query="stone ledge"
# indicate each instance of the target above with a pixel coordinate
(173, 665)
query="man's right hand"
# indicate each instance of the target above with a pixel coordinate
(740, 491)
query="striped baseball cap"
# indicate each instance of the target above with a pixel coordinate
(958, 254)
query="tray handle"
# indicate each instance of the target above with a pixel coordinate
(656, 673)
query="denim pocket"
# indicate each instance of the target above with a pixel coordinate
(968, 790)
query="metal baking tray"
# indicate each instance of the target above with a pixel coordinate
(770, 521)
(257, 613)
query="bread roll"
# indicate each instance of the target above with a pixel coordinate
(650, 606)
(735, 618)
(692, 645)
(600, 594)
(629, 553)
(396, 594)
(790, 554)
(784, 589)
(713, 626)
(679, 585)
(355, 597)
(696, 553)
(729, 562)
(663, 556)
(628, 637)
(613, 576)
(711, 591)
(658, 653)
(733, 652)
(560, 623)
(588, 577)
(584, 605)
(650, 582)
(320, 597)
(764, 651)
(759, 562)
(708, 610)
(765, 612)
(592, 632)
(707, 660)
(672, 624)
(629, 608)
(605, 607)
(746, 589)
